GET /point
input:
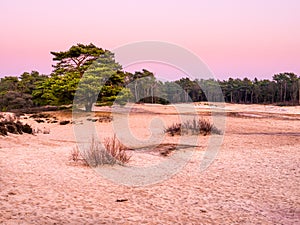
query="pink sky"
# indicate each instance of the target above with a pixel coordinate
(234, 38)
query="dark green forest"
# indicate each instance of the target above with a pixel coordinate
(94, 75)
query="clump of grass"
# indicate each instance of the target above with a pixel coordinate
(193, 127)
(14, 128)
(174, 129)
(40, 115)
(3, 130)
(64, 122)
(113, 152)
(105, 119)
(39, 121)
(95, 155)
(75, 154)
(116, 149)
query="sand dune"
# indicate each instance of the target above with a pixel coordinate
(253, 180)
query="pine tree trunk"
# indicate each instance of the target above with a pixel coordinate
(281, 92)
(152, 95)
(135, 91)
(88, 107)
(284, 97)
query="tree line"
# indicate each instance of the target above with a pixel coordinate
(88, 74)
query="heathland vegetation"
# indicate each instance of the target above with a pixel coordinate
(104, 81)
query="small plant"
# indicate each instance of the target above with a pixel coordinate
(64, 122)
(206, 127)
(193, 127)
(75, 154)
(105, 119)
(116, 149)
(27, 129)
(11, 128)
(39, 121)
(14, 128)
(174, 129)
(3, 130)
(113, 152)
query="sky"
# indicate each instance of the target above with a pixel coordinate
(233, 38)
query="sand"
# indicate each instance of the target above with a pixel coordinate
(253, 180)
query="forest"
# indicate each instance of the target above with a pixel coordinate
(91, 74)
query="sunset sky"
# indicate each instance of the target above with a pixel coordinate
(234, 38)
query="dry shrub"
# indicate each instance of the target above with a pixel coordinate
(27, 129)
(95, 155)
(39, 121)
(175, 128)
(3, 130)
(116, 149)
(193, 127)
(40, 115)
(113, 152)
(14, 128)
(75, 154)
(64, 122)
(105, 119)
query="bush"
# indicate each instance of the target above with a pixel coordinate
(193, 127)
(154, 99)
(105, 119)
(19, 127)
(116, 149)
(11, 128)
(40, 115)
(14, 128)
(75, 154)
(92, 119)
(27, 129)
(3, 130)
(64, 122)
(174, 129)
(39, 121)
(113, 152)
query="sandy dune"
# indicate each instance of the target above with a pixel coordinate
(254, 179)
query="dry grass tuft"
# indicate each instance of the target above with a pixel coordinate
(175, 128)
(193, 127)
(116, 149)
(75, 154)
(113, 152)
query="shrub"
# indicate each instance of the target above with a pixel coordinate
(193, 127)
(11, 128)
(174, 129)
(39, 121)
(113, 152)
(75, 154)
(116, 149)
(19, 127)
(105, 119)
(27, 129)
(64, 122)
(3, 130)
(40, 115)
(14, 128)
(92, 119)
